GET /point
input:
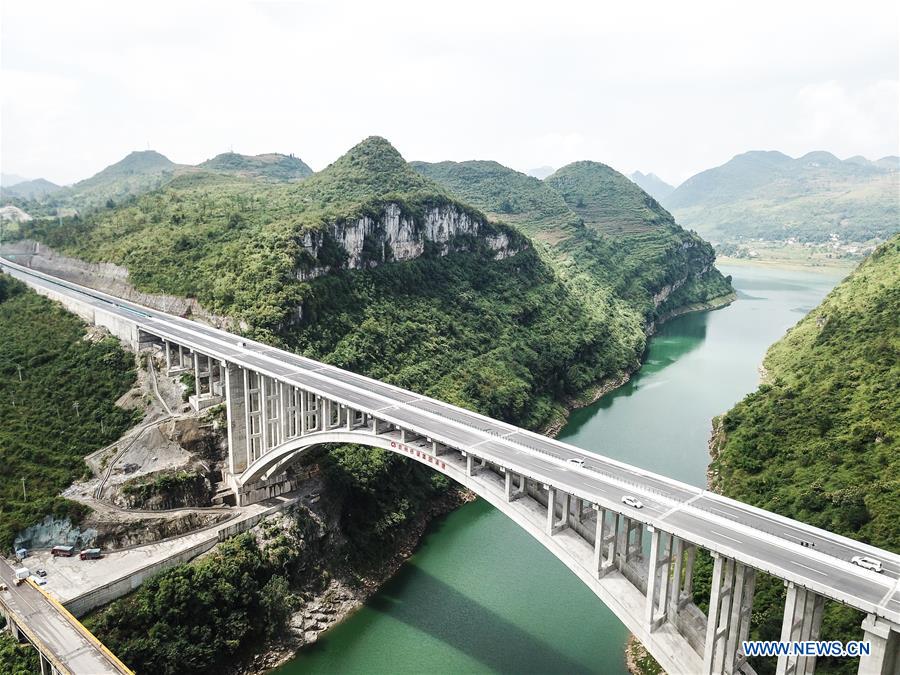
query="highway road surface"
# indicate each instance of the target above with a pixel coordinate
(791, 550)
(61, 637)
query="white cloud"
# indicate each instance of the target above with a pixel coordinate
(666, 87)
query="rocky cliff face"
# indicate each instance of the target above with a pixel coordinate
(394, 236)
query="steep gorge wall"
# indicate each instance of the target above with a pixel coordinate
(364, 243)
(396, 237)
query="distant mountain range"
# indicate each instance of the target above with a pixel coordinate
(272, 165)
(30, 189)
(814, 198)
(10, 179)
(140, 172)
(653, 185)
(541, 172)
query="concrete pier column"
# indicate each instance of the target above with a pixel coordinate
(551, 509)
(734, 618)
(180, 356)
(802, 620)
(302, 424)
(677, 572)
(599, 534)
(623, 534)
(236, 415)
(46, 666)
(168, 351)
(650, 604)
(719, 615)
(197, 388)
(665, 573)
(471, 469)
(263, 414)
(884, 640)
(513, 491)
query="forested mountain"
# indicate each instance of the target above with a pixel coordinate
(775, 197)
(376, 267)
(274, 166)
(818, 440)
(138, 173)
(606, 237)
(305, 264)
(29, 189)
(653, 185)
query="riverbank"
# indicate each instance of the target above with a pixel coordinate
(337, 603)
(339, 598)
(823, 265)
(598, 391)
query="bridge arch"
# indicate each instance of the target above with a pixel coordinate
(614, 590)
(280, 457)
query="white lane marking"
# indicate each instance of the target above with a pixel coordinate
(894, 589)
(681, 505)
(738, 541)
(809, 568)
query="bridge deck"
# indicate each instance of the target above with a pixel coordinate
(69, 644)
(760, 539)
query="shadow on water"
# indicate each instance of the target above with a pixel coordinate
(464, 625)
(470, 627)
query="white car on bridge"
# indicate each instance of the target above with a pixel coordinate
(867, 563)
(633, 502)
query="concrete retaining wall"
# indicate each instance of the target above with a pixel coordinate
(106, 593)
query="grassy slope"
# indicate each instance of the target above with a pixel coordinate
(274, 166)
(43, 437)
(612, 243)
(819, 441)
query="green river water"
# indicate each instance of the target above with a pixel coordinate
(481, 596)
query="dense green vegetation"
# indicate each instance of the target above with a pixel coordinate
(502, 337)
(274, 166)
(514, 338)
(818, 441)
(15, 658)
(235, 243)
(57, 395)
(772, 196)
(609, 241)
(198, 618)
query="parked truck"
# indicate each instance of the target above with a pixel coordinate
(90, 554)
(63, 551)
(22, 574)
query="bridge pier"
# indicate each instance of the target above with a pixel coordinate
(555, 525)
(884, 655)
(802, 620)
(658, 573)
(605, 538)
(236, 415)
(514, 493)
(728, 619)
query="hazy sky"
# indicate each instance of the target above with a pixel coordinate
(668, 87)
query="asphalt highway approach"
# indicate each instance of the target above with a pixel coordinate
(68, 645)
(791, 550)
